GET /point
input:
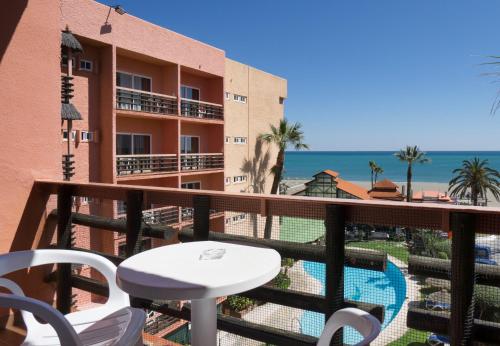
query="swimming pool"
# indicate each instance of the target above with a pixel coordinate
(387, 288)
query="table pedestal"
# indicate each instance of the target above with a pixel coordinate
(203, 322)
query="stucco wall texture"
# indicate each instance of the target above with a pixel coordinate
(30, 113)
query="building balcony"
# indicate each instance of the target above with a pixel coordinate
(157, 216)
(146, 102)
(201, 110)
(200, 162)
(394, 280)
(146, 164)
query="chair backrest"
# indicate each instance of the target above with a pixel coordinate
(13, 261)
(366, 324)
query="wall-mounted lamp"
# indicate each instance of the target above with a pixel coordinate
(119, 9)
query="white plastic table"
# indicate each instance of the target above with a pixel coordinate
(200, 272)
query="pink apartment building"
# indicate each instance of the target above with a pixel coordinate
(157, 108)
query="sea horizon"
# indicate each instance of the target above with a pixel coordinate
(353, 164)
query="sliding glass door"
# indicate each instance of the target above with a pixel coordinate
(133, 144)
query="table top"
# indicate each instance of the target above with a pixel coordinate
(197, 270)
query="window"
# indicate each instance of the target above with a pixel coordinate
(227, 181)
(240, 98)
(133, 144)
(85, 65)
(85, 200)
(240, 179)
(132, 81)
(190, 93)
(86, 136)
(194, 185)
(239, 217)
(121, 207)
(281, 100)
(65, 135)
(228, 139)
(190, 145)
(240, 140)
(228, 95)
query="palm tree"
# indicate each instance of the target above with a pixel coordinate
(496, 74)
(284, 136)
(373, 166)
(378, 170)
(411, 155)
(477, 177)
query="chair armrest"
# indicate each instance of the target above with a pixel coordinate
(65, 332)
(366, 324)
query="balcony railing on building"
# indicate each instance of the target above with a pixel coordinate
(459, 272)
(144, 101)
(143, 164)
(200, 109)
(193, 162)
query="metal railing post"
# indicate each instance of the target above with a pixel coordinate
(64, 226)
(335, 260)
(201, 217)
(462, 279)
(134, 222)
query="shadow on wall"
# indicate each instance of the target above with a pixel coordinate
(257, 170)
(36, 229)
(11, 14)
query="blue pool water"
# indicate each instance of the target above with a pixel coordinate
(387, 288)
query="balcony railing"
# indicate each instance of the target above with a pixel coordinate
(143, 101)
(196, 162)
(142, 164)
(158, 216)
(200, 109)
(333, 216)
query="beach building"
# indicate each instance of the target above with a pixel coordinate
(386, 190)
(429, 196)
(328, 183)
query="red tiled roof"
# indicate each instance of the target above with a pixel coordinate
(431, 195)
(329, 172)
(385, 184)
(388, 195)
(351, 188)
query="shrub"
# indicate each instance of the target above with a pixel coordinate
(282, 281)
(239, 303)
(287, 262)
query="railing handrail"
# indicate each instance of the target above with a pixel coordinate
(202, 102)
(203, 154)
(146, 155)
(360, 211)
(146, 92)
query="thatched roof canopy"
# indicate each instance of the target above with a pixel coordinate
(69, 112)
(69, 40)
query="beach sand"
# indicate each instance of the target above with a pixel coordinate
(297, 185)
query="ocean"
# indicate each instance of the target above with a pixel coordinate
(353, 165)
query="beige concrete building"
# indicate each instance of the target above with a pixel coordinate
(254, 99)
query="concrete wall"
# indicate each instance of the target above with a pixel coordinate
(30, 97)
(100, 23)
(250, 119)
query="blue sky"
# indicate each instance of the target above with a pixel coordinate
(362, 74)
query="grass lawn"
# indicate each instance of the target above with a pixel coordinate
(411, 338)
(393, 248)
(301, 230)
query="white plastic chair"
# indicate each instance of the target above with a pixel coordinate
(366, 324)
(112, 323)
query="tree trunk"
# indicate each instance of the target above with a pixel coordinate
(474, 195)
(376, 177)
(274, 189)
(408, 184)
(372, 178)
